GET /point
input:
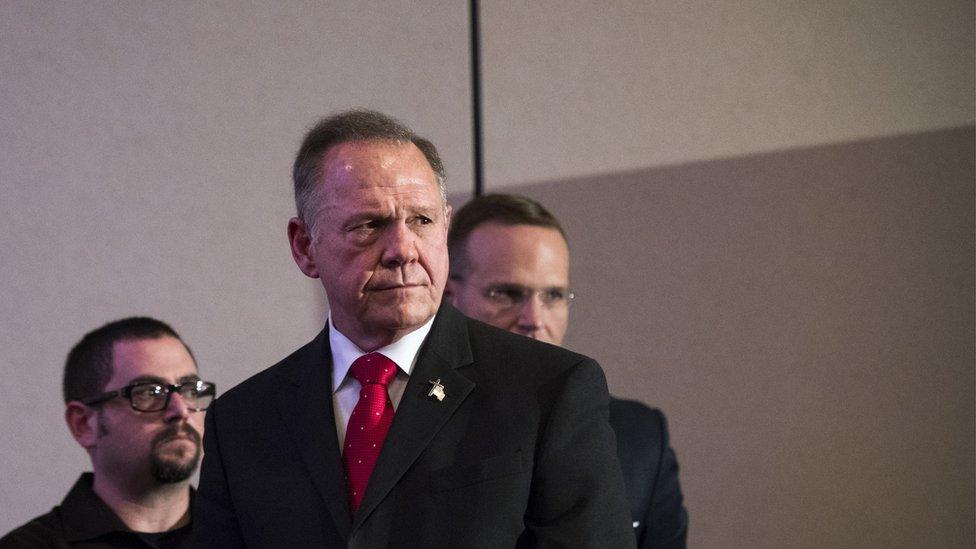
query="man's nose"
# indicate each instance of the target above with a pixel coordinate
(531, 312)
(177, 407)
(400, 245)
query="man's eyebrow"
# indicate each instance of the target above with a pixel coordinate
(523, 286)
(363, 216)
(161, 381)
(506, 285)
(147, 379)
(427, 208)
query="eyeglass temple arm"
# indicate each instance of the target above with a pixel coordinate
(103, 397)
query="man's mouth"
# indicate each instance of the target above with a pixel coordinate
(178, 439)
(394, 287)
(186, 434)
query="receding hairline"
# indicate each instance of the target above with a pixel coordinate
(508, 224)
(461, 266)
(326, 159)
(135, 340)
(512, 224)
(502, 209)
(387, 142)
(351, 126)
(487, 253)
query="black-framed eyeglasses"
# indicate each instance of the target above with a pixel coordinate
(148, 396)
(514, 295)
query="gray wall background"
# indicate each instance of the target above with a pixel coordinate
(770, 207)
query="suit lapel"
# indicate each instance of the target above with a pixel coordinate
(419, 417)
(305, 402)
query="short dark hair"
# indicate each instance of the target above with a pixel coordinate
(505, 209)
(343, 127)
(89, 365)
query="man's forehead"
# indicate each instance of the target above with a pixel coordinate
(387, 154)
(353, 168)
(163, 358)
(509, 236)
(525, 254)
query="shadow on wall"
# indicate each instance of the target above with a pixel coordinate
(805, 318)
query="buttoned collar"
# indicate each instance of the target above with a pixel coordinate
(86, 517)
(403, 351)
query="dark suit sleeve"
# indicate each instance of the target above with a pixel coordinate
(214, 521)
(667, 520)
(577, 497)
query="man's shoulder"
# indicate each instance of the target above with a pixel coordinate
(635, 411)
(463, 342)
(291, 367)
(489, 341)
(638, 425)
(43, 531)
(530, 362)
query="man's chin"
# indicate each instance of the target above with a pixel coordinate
(170, 465)
(172, 471)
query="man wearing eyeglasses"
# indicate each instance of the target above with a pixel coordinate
(134, 402)
(510, 269)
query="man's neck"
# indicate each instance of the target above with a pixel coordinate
(374, 339)
(155, 508)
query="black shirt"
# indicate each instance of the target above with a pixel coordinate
(84, 521)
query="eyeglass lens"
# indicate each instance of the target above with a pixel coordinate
(152, 397)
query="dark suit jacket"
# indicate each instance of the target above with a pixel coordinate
(518, 454)
(650, 474)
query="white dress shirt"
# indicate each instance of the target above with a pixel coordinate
(345, 388)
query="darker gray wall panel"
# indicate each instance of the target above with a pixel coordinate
(806, 320)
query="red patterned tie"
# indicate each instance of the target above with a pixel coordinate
(369, 422)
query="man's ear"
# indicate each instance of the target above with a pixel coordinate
(82, 422)
(448, 215)
(450, 291)
(301, 247)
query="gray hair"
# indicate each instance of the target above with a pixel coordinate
(343, 127)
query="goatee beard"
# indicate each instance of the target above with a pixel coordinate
(167, 471)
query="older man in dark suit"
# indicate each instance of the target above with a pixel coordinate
(404, 424)
(510, 268)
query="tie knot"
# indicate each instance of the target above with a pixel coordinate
(373, 368)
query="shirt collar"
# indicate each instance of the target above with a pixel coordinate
(85, 516)
(403, 351)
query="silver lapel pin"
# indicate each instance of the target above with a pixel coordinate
(436, 390)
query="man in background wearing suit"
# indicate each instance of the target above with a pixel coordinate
(404, 423)
(134, 402)
(510, 268)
